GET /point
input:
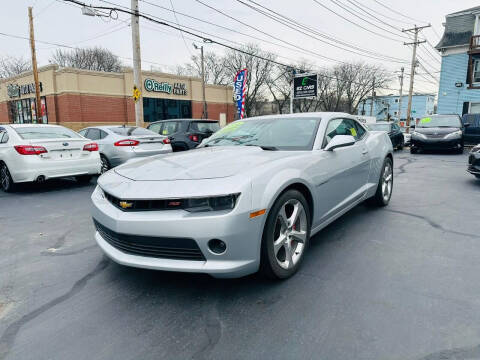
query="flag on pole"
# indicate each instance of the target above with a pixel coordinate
(239, 91)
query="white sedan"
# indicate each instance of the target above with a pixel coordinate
(34, 152)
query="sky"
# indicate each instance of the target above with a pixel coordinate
(163, 48)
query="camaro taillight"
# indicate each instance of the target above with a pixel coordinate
(30, 149)
(91, 147)
(166, 141)
(127, 142)
(193, 137)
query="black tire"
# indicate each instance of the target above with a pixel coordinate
(401, 145)
(105, 164)
(269, 260)
(460, 151)
(477, 176)
(6, 181)
(83, 179)
(413, 150)
(380, 199)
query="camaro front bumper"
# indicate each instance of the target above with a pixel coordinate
(241, 235)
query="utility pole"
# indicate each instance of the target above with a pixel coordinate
(137, 64)
(373, 97)
(38, 113)
(415, 43)
(401, 93)
(205, 111)
(292, 90)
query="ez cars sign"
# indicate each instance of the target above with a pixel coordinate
(305, 86)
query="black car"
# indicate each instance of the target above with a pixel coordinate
(393, 130)
(185, 134)
(474, 161)
(438, 132)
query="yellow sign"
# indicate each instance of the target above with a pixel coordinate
(136, 94)
(353, 132)
(425, 120)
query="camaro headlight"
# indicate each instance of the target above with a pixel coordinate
(476, 149)
(417, 134)
(454, 134)
(214, 203)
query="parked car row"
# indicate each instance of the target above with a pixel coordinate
(37, 152)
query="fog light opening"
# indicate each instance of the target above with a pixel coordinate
(217, 246)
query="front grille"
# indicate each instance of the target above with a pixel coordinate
(435, 136)
(149, 246)
(144, 205)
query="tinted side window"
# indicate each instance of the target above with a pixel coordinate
(340, 127)
(155, 127)
(360, 131)
(170, 127)
(3, 137)
(103, 134)
(83, 132)
(93, 134)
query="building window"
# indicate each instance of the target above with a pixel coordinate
(396, 100)
(476, 71)
(24, 111)
(474, 108)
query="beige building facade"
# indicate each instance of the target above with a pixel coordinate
(79, 98)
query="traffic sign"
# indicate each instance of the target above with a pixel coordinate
(136, 94)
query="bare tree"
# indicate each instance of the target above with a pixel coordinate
(11, 66)
(357, 82)
(97, 59)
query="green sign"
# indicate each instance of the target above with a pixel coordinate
(165, 87)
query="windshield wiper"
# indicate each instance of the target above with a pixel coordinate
(263, 147)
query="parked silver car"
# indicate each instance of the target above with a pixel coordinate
(117, 144)
(249, 198)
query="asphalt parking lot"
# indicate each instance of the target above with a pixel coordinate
(395, 283)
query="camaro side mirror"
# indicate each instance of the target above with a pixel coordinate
(412, 126)
(340, 141)
(466, 124)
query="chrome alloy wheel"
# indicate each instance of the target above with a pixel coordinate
(290, 234)
(4, 177)
(387, 182)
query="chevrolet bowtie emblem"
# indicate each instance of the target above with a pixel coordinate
(125, 204)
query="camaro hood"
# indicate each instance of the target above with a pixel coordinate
(436, 130)
(203, 163)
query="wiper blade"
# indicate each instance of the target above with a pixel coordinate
(267, 148)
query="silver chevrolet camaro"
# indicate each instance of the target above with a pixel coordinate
(249, 198)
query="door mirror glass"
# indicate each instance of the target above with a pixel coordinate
(466, 124)
(340, 141)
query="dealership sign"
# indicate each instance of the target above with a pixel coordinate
(165, 87)
(15, 90)
(305, 86)
(239, 91)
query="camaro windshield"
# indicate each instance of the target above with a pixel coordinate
(439, 121)
(274, 134)
(379, 127)
(33, 132)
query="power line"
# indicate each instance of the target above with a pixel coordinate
(178, 23)
(354, 23)
(296, 26)
(207, 40)
(397, 12)
(232, 30)
(354, 13)
(384, 15)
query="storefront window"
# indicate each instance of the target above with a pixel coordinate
(164, 109)
(25, 111)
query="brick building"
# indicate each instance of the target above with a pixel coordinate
(79, 98)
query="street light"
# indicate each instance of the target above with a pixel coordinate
(204, 112)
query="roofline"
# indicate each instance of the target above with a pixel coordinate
(464, 12)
